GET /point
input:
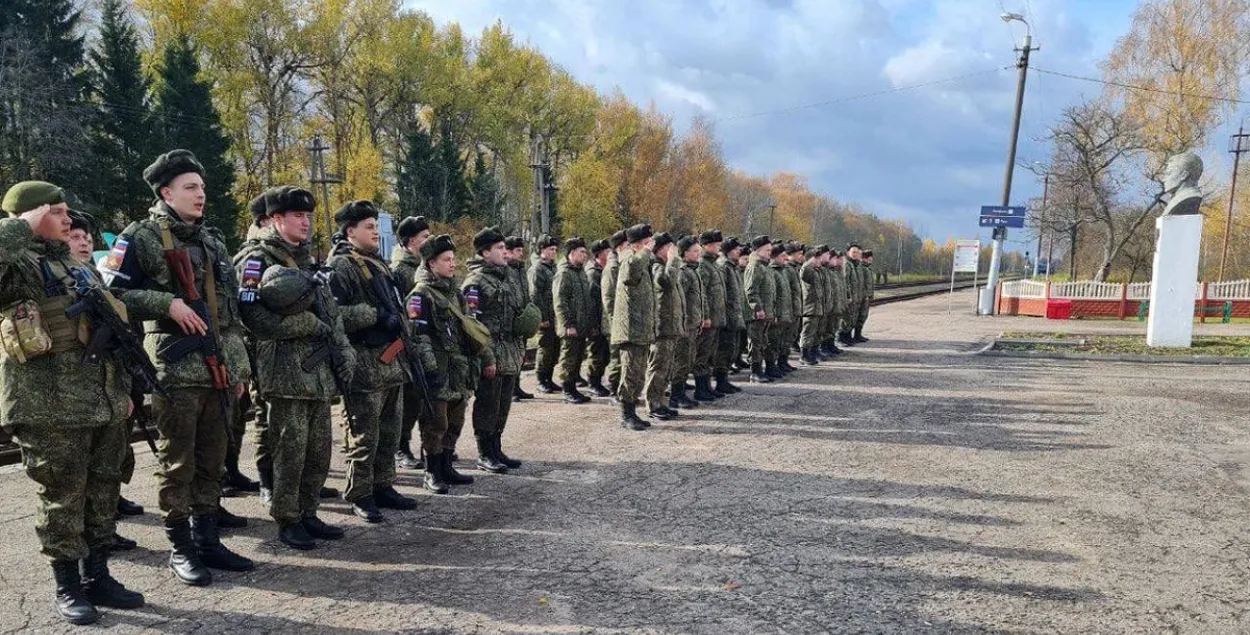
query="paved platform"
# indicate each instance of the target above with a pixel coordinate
(908, 488)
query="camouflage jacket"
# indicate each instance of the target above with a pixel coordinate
(812, 281)
(796, 290)
(594, 300)
(571, 296)
(360, 309)
(713, 281)
(695, 298)
(736, 309)
(760, 289)
(136, 266)
(870, 281)
(854, 281)
(441, 341)
(57, 389)
(404, 269)
(284, 343)
(633, 311)
(838, 287)
(670, 299)
(541, 277)
(783, 309)
(491, 296)
(516, 274)
(607, 287)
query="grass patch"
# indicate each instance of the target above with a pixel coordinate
(1212, 346)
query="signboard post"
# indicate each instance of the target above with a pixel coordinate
(999, 217)
(967, 259)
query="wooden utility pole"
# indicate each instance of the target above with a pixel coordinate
(1239, 145)
(319, 177)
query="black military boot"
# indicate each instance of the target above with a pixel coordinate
(844, 338)
(808, 357)
(434, 480)
(579, 382)
(758, 376)
(859, 336)
(100, 586)
(572, 394)
(546, 386)
(213, 554)
(296, 536)
(328, 492)
(723, 385)
(126, 507)
(659, 414)
(598, 389)
(236, 480)
(226, 520)
(719, 394)
(71, 601)
(486, 460)
(184, 558)
(771, 370)
(405, 459)
(703, 388)
(121, 543)
(387, 498)
(678, 397)
(518, 393)
(508, 461)
(449, 471)
(319, 529)
(367, 510)
(265, 473)
(629, 418)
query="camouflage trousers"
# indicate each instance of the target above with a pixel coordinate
(440, 429)
(728, 347)
(779, 340)
(192, 451)
(548, 353)
(633, 371)
(492, 403)
(598, 352)
(260, 431)
(78, 473)
(847, 320)
(659, 371)
(705, 350)
(370, 440)
(830, 329)
(300, 432)
(683, 357)
(811, 334)
(413, 404)
(614, 367)
(862, 316)
(572, 352)
(758, 340)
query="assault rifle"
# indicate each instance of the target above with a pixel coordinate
(327, 348)
(388, 295)
(112, 336)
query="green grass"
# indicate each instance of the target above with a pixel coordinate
(1214, 346)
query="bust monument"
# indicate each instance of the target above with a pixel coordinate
(1177, 245)
(1180, 181)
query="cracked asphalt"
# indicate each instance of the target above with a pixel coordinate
(910, 487)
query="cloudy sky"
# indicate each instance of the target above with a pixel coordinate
(931, 155)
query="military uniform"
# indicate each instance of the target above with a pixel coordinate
(784, 314)
(633, 325)
(728, 348)
(404, 272)
(813, 292)
(855, 295)
(607, 286)
(796, 307)
(541, 276)
(713, 281)
(760, 291)
(670, 322)
(840, 296)
(252, 400)
(869, 285)
(695, 304)
(571, 296)
(598, 351)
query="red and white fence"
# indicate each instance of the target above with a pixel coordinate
(1087, 298)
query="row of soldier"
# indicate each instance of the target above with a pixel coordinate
(406, 345)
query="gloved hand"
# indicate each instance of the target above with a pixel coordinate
(434, 381)
(323, 329)
(388, 321)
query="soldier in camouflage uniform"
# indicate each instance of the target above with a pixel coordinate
(411, 233)
(369, 308)
(297, 328)
(607, 284)
(496, 302)
(855, 294)
(196, 343)
(760, 291)
(870, 285)
(727, 349)
(812, 280)
(541, 275)
(571, 296)
(598, 350)
(838, 299)
(783, 312)
(67, 416)
(713, 282)
(516, 274)
(687, 257)
(633, 322)
(796, 253)
(451, 367)
(670, 322)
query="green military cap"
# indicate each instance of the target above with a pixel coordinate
(287, 291)
(28, 195)
(525, 325)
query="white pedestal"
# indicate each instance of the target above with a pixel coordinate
(1172, 295)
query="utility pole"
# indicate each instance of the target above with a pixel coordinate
(1041, 228)
(1239, 145)
(319, 177)
(772, 211)
(1000, 233)
(538, 163)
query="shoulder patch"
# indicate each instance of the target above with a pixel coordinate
(250, 280)
(473, 297)
(414, 308)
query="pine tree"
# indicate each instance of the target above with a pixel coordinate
(453, 194)
(488, 199)
(415, 175)
(123, 141)
(186, 118)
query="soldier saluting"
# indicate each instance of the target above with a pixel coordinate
(633, 321)
(176, 275)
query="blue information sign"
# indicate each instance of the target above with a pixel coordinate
(1014, 222)
(999, 210)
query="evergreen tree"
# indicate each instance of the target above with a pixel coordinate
(416, 176)
(488, 199)
(186, 118)
(453, 191)
(123, 141)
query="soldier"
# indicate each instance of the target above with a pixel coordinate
(516, 273)
(496, 302)
(369, 308)
(796, 253)
(855, 295)
(779, 348)
(688, 253)
(620, 249)
(452, 367)
(727, 348)
(744, 258)
(760, 291)
(870, 285)
(571, 294)
(540, 277)
(411, 233)
(598, 350)
(633, 322)
(812, 289)
(72, 445)
(297, 327)
(838, 296)
(175, 273)
(670, 321)
(713, 282)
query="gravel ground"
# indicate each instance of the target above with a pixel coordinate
(910, 487)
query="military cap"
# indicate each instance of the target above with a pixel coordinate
(814, 252)
(287, 290)
(435, 246)
(81, 220)
(793, 247)
(851, 246)
(867, 253)
(746, 251)
(547, 240)
(484, 239)
(169, 166)
(685, 243)
(710, 236)
(289, 198)
(731, 243)
(779, 246)
(760, 241)
(639, 233)
(514, 242)
(525, 325)
(28, 195)
(617, 239)
(257, 206)
(354, 212)
(410, 227)
(598, 247)
(835, 253)
(573, 244)
(661, 239)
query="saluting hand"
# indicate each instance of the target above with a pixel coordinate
(489, 371)
(35, 216)
(187, 318)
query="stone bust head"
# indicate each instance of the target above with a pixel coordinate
(1180, 179)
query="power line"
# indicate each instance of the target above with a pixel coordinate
(898, 89)
(1148, 89)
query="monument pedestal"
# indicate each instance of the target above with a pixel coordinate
(1171, 323)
